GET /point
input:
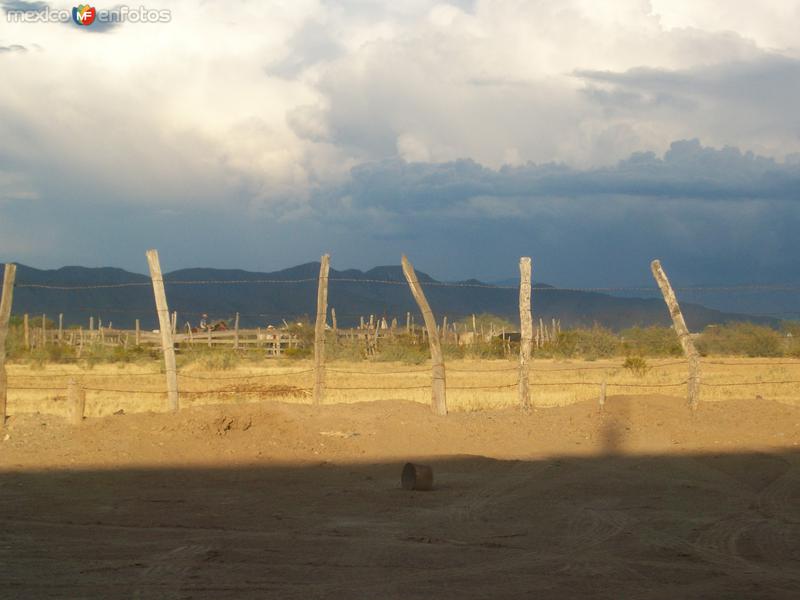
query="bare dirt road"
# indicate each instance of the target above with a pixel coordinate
(284, 501)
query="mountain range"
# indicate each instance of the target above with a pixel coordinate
(119, 297)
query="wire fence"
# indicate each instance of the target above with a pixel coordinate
(538, 372)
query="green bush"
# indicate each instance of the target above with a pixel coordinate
(742, 339)
(650, 341)
(398, 350)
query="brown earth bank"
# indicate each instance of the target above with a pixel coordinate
(644, 500)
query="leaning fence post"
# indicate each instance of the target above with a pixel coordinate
(526, 330)
(682, 331)
(6, 299)
(319, 330)
(439, 386)
(165, 327)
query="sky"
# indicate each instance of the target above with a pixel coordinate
(590, 136)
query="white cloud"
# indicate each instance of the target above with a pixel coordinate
(258, 104)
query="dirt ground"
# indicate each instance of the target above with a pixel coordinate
(281, 500)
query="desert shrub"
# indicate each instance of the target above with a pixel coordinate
(298, 352)
(564, 346)
(636, 365)
(494, 348)
(650, 341)
(597, 342)
(454, 351)
(400, 349)
(303, 330)
(220, 360)
(344, 349)
(790, 330)
(744, 339)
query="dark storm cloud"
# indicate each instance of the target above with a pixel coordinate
(687, 170)
(758, 95)
(712, 215)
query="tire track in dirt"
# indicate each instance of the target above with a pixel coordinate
(781, 498)
(165, 579)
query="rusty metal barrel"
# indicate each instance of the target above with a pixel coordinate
(417, 477)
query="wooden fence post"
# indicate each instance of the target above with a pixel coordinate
(138, 333)
(167, 345)
(26, 330)
(682, 331)
(526, 330)
(439, 385)
(319, 330)
(236, 332)
(60, 327)
(602, 400)
(334, 324)
(6, 299)
(76, 402)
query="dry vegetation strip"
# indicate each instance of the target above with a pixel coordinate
(472, 384)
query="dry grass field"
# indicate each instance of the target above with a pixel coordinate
(472, 384)
(250, 492)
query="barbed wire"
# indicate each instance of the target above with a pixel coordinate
(253, 376)
(403, 372)
(66, 374)
(749, 364)
(36, 388)
(645, 385)
(290, 391)
(89, 286)
(118, 391)
(483, 387)
(741, 383)
(375, 388)
(609, 384)
(777, 287)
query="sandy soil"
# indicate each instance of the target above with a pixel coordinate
(273, 500)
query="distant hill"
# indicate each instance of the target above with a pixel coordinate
(267, 298)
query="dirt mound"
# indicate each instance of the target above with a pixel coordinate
(394, 429)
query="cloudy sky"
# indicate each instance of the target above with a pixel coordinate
(591, 136)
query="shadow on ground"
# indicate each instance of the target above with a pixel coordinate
(666, 527)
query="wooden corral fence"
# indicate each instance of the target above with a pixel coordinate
(274, 341)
